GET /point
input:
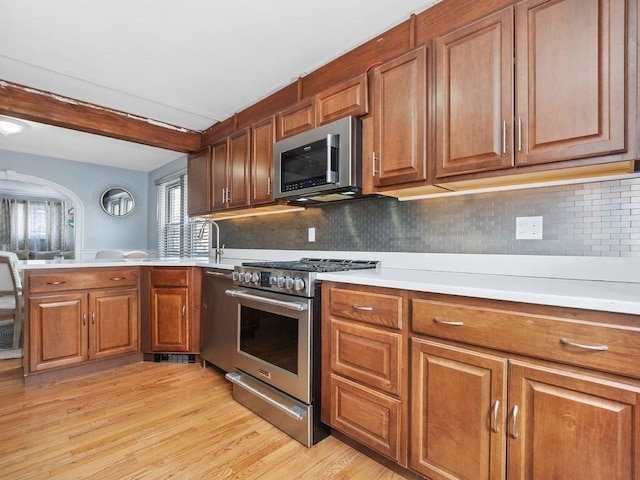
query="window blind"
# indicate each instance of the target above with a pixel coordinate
(177, 233)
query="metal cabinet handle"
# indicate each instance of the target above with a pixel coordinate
(184, 309)
(117, 279)
(84, 319)
(448, 322)
(504, 136)
(361, 307)
(93, 318)
(268, 185)
(373, 161)
(519, 134)
(57, 282)
(514, 422)
(595, 348)
(494, 416)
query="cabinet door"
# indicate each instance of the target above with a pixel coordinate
(474, 97)
(113, 325)
(342, 100)
(458, 413)
(370, 355)
(571, 426)
(400, 120)
(296, 119)
(570, 74)
(219, 181)
(263, 137)
(239, 168)
(199, 178)
(368, 416)
(58, 331)
(169, 319)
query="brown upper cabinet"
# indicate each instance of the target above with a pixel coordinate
(263, 136)
(296, 119)
(400, 120)
(231, 171)
(346, 98)
(199, 178)
(567, 100)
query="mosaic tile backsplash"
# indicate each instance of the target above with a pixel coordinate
(589, 219)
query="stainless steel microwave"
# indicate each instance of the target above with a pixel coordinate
(320, 165)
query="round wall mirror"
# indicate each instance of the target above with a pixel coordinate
(117, 202)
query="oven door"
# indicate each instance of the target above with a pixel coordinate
(274, 340)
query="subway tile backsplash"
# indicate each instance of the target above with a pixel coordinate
(589, 219)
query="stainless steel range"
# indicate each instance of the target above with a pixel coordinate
(277, 359)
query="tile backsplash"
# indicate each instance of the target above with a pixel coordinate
(589, 219)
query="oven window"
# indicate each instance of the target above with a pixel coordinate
(270, 337)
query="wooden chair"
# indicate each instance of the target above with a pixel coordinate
(11, 303)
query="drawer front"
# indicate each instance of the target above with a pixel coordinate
(82, 279)
(172, 276)
(601, 346)
(369, 417)
(369, 355)
(371, 307)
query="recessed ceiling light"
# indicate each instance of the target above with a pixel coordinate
(9, 126)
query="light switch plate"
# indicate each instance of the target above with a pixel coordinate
(312, 234)
(528, 228)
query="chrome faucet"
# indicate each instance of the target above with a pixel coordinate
(218, 251)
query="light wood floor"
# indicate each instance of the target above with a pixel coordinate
(155, 421)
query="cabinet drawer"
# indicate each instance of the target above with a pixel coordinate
(173, 276)
(369, 417)
(587, 343)
(82, 279)
(369, 355)
(371, 307)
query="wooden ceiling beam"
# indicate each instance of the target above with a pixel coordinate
(28, 103)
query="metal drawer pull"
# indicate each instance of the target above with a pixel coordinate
(494, 416)
(361, 307)
(504, 136)
(514, 422)
(84, 319)
(117, 279)
(184, 309)
(447, 322)
(596, 348)
(93, 318)
(58, 282)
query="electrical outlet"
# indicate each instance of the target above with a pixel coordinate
(311, 234)
(528, 228)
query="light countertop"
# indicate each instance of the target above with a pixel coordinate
(594, 283)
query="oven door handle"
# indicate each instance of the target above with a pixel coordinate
(295, 412)
(298, 307)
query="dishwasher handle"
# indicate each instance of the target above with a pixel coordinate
(214, 274)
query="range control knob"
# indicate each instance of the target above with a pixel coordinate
(255, 278)
(280, 282)
(289, 283)
(298, 284)
(273, 280)
(241, 277)
(235, 276)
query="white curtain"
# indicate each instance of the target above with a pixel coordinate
(34, 225)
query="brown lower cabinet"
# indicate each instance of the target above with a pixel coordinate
(79, 317)
(173, 309)
(485, 389)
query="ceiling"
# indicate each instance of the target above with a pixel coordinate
(189, 65)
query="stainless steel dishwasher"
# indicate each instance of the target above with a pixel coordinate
(219, 322)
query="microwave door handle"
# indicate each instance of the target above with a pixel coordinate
(332, 173)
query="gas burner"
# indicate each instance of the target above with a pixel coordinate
(295, 277)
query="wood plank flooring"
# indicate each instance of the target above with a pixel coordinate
(155, 421)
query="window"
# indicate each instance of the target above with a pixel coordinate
(177, 233)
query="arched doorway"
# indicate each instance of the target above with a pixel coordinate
(72, 197)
